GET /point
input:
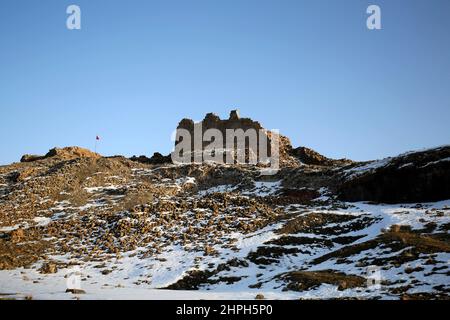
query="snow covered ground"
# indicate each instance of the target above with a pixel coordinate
(131, 277)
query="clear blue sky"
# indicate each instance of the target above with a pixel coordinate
(309, 68)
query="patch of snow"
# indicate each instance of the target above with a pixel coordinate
(101, 189)
(217, 189)
(42, 221)
(23, 225)
(185, 181)
(365, 168)
(436, 162)
(264, 188)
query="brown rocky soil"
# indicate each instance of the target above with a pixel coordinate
(306, 280)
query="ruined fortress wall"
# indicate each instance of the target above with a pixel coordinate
(234, 122)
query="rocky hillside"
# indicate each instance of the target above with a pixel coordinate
(145, 228)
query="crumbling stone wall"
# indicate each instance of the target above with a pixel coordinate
(234, 122)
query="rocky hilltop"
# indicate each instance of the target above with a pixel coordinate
(235, 122)
(316, 229)
(66, 153)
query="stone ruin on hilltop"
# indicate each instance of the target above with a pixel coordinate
(214, 139)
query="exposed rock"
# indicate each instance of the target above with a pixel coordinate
(157, 158)
(400, 228)
(15, 253)
(413, 177)
(306, 280)
(48, 268)
(22, 175)
(14, 176)
(75, 291)
(291, 196)
(309, 156)
(417, 244)
(31, 158)
(66, 153)
(17, 235)
(141, 159)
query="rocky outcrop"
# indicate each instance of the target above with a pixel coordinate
(412, 177)
(66, 153)
(311, 157)
(157, 158)
(31, 158)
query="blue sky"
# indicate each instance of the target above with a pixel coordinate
(309, 68)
